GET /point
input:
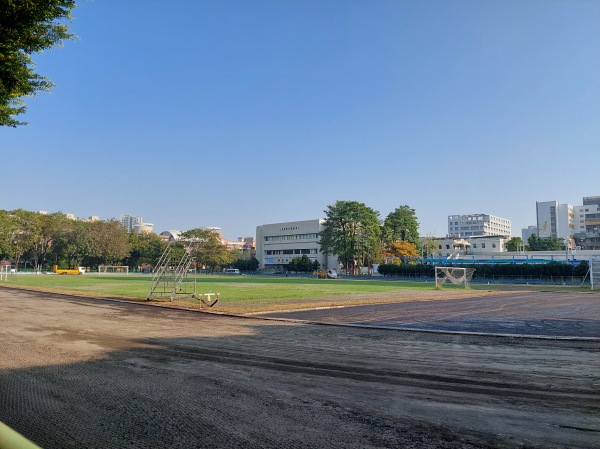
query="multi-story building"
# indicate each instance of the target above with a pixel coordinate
(277, 244)
(587, 235)
(129, 221)
(554, 219)
(463, 226)
(566, 221)
(528, 232)
(456, 247)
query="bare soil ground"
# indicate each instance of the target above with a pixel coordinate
(81, 372)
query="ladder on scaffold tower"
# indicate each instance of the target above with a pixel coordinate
(170, 272)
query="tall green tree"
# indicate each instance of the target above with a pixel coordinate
(515, 244)
(50, 228)
(401, 225)
(5, 230)
(209, 251)
(71, 245)
(107, 243)
(352, 232)
(27, 27)
(146, 248)
(24, 229)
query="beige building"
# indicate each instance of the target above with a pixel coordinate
(278, 244)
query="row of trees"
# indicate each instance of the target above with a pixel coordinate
(355, 233)
(549, 269)
(40, 241)
(535, 243)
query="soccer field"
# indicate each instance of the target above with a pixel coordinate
(241, 293)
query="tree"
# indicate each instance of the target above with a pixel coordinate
(50, 228)
(68, 246)
(352, 232)
(515, 244)
(107, 243)
(246, 264)
(402, 250)
(209, 251)
(544, 243)
(23, 232)
(401, 225)
(430, 246)
(146, 248)
(27, 27)
(303, 264)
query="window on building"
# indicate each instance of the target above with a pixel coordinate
(483, 245)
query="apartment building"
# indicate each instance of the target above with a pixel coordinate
(464, 226)
(129, 221)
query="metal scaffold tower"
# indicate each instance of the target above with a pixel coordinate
(170, 272)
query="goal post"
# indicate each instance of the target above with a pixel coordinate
(455, 275)
(4, 272)
(113, 269)
(594, 272)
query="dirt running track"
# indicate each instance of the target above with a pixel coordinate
(85, 373)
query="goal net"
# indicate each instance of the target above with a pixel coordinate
(595, 272)
(113, 269)
(4, 272)
(455, 275)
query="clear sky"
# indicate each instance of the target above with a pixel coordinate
(238, 113)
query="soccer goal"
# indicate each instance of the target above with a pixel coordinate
(594, 272)
(4, 272)
(113, 269)
(455, 275)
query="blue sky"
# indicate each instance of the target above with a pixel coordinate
(239, 113)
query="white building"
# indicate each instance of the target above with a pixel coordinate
(277, 244)
(455, 248)
(143, 228)
(555, 219)
(129, 221)
(464, 226)
(488, 244)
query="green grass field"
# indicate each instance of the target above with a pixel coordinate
(233, 287)
(248, 293)
(239, 292)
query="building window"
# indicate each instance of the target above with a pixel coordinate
(483, 245)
